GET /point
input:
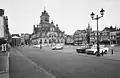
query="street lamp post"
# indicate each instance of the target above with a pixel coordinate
(97, 18)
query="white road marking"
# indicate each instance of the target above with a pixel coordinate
(40, 68)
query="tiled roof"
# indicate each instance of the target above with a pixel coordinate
(15, 35)
(109, 29)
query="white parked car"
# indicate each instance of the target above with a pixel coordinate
(37, 46)
(106, 49)
(112, 45)
(93, 50)
(57, 47)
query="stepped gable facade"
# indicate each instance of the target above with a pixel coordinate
(47, 32)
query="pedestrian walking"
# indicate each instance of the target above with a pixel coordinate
(102, 53)
(3, 42)
(40, 46)
(112, 50)
(9, 47)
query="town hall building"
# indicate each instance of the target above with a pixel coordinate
(47, 32)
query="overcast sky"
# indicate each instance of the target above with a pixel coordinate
(70, 15)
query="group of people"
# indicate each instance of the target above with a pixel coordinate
(4, 45)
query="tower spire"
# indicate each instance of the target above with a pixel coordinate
(45, 7)
(88, 24)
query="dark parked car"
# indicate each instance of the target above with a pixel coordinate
(82, 49)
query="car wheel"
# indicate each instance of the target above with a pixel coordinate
(87, 53)
(105, 51)
(78, 51)
(98, 54)
(95, 53)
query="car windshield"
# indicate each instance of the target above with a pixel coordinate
(82, 46)
(58, 45)
(95, 46)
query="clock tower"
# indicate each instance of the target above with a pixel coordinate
(44, 17)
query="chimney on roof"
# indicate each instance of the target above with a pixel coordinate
(1, 12)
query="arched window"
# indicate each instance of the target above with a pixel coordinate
(45, 41)
(46, 19)
(49, 41)
(40, 41)
(58, 41)
(52, 29)
(54, 35)
(61, 41)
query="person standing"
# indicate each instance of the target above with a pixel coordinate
(112, 49)
(2, 47)
(40, 46)
(102, 53)
(3, 43)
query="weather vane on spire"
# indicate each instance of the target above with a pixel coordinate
(45, 7)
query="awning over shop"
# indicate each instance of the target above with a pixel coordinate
(2, 41)
(15, 37)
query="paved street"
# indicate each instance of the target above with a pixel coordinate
(4, 65)
(60, 64)
(3, 62)
(20, 67)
